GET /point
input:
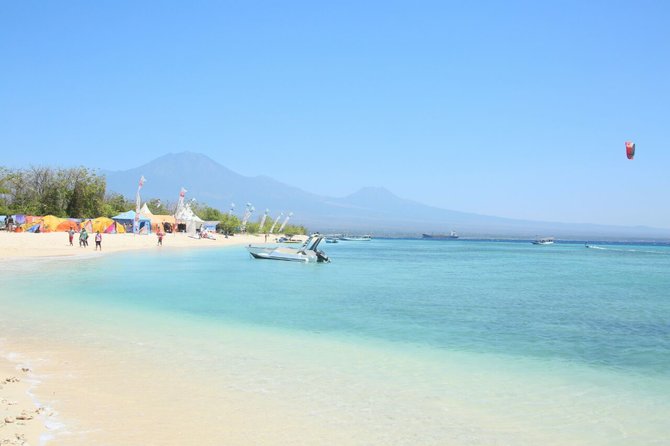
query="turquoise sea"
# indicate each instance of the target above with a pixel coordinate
(401, 341)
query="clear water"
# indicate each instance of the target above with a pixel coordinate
(466, 342)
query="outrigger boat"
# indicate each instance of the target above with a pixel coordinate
(308, 252)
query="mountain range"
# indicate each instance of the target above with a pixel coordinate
(370, 210)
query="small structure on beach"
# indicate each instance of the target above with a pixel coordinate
(188, 221)
(158, 220)
(127, 219)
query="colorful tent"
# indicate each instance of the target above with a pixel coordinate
(104, 224)
(156, 219)
(210, 225)
(50, 223)
(27, 223)
(66, 225)
(101, 224)
(127, 219)
(87, 224)
(116, 228)
(32, 218)
(30, 227)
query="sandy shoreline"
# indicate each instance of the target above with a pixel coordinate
(32, 371)
(22, 246)
(117, 397)
(22, 420)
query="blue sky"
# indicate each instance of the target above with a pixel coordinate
(516, 109)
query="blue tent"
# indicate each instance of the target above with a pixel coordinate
(127, 219)
(210, 225)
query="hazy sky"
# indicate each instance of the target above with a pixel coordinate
(517, 109)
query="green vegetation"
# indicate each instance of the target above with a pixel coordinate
(80, 193)
(228, 224)
(115, 204)
(289, 230)
(207, 213)
(157, 208)
(75, 192)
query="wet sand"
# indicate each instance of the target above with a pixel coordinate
(117, 398)
(22, 420)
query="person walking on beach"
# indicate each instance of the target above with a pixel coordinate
(98, 241)
(160, 237)
(70, 235)
(83, 238)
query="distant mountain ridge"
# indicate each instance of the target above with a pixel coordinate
(371, 209)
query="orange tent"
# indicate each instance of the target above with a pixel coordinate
(66, 225)
(50, 223)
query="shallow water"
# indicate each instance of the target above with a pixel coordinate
(401, 341)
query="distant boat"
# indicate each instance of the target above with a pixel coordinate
(544, 241)
(288, 240)
(452, 235)
(356, 238)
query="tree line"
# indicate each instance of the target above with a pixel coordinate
(80, 192)
(76, 192)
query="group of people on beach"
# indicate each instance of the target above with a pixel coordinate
(83, 235)
(83, 238)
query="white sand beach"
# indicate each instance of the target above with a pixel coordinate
(22, 246)
(22, 421)
(46, 384)
(85, 397)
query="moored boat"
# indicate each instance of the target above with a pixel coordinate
(308, 252)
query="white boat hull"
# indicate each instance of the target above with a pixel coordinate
(281, 256)
(307, 253)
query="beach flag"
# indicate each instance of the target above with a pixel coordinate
(138, 205)
(281, 228)
(247, 215)
(265, 216)
(180, 202)
(272, 229)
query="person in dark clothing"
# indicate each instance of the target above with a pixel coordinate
(98, 241)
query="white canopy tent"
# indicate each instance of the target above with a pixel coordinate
(187, 217)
